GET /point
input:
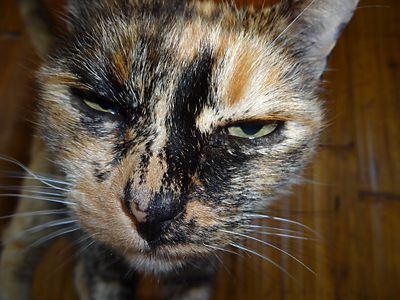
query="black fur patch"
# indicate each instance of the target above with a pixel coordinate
(164, 207)
(185, 142)
(100, 175)
(144, 162)
(128, 196)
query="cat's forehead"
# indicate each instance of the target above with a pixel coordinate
(206, 59)
(137, 53)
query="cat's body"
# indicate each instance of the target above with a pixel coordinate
(174, 122)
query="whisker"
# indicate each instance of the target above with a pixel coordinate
(222, 263)
(223, 250)
(32, 189)
(43, 180)
(78, 241)
(84, 248)
(23, 175)
(11, 160)
(71, 257)
(373, 6)
(316, 182)
(272, 246)
(285, 220)
(286, 231)
(212, 262)
(37, 213)
(37, 198)
(50, 236)
(308, 27)
(37, 228)
(280, 234)
(78, 252)
(266, 258)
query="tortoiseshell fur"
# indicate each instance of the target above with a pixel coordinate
(158, 180)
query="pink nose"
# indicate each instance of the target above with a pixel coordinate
(137, 212)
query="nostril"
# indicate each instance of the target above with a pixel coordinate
(150, 231)
(156, 221)
(170, 214)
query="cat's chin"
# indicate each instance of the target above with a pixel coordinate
(153, 265)
(159, 261)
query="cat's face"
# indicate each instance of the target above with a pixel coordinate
(174, 123)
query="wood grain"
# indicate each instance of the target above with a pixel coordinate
(351, 197)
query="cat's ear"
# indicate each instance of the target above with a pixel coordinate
(316, 26)
(81, 9)
(83, 13)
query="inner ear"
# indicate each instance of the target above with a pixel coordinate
(316, 25)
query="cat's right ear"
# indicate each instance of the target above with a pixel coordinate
(315, 26)
(81, 12)
(80, 9)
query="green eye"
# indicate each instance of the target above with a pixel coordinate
(101, 106)
(251, 130)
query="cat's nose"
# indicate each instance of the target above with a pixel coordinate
(155, 219)
(156, 222)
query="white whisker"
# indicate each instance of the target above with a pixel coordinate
(43, 193)
(34, 176)
(270, 245)
(37, 228)
(266, 258)
(281, 230)
(223, 250)
(373, 6)
(85, 247)
(284, 220)
(78, 241)
(308, 27)
(37, 198)
(280, 234)
(316, 182)
(53, 235)
(32, 189)
(77, 253)
(212, 262)
(37, 213)
(23, 175)
(221, 262)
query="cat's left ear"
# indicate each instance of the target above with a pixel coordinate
(318, 24)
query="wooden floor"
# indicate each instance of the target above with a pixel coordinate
(352, 197)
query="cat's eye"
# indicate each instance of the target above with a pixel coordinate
(251, 130)
(101, 106)
(96, 102)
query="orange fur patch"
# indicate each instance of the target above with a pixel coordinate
(120, 66)
(203, 215)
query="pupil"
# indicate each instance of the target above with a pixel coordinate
(252, 128)
(106, 105)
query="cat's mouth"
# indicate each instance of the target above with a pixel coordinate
(164, 258)
(168, 243)
(153, 239)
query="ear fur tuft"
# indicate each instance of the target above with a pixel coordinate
(317, 26)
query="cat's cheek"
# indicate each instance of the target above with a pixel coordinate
(105, 220)
(202, 215)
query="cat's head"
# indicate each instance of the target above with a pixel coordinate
(174, 121)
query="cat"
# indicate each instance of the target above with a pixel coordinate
(171, 124)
